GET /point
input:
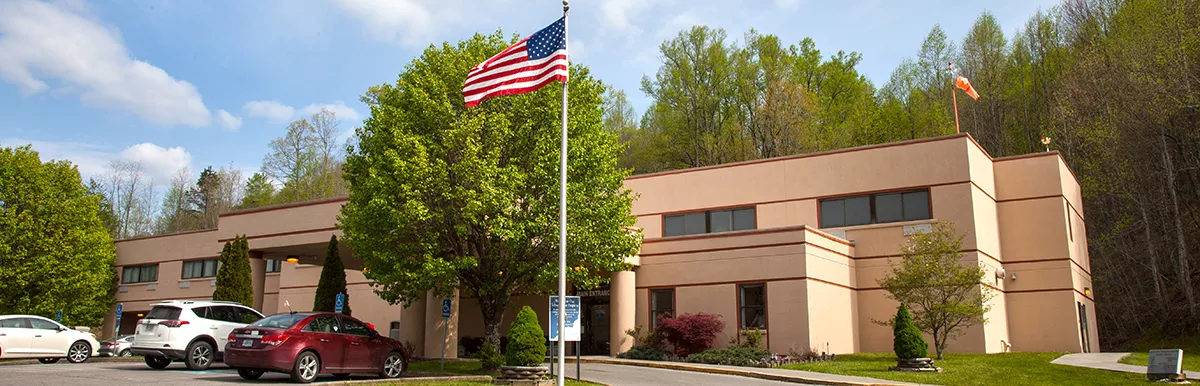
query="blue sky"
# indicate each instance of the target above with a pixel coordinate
(190, 83)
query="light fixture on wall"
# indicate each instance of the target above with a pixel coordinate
(1012, 276)
(293, 259)
(1087, 291)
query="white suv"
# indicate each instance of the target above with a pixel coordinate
(192, 331)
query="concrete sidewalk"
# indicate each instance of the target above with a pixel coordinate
(785, 375)
(1108, 361)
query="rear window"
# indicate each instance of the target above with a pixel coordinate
(163, 312)
(281, 321)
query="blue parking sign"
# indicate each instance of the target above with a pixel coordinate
(339, 303)
(446, 308)
(59, 317)
(120, 307)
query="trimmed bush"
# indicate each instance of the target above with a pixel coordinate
(332, 282)
(690, 333)
(526, 342)
(754, 338)
(907, 340)
(489, 357)
(233, 279)
(644, 352)
(733, 356)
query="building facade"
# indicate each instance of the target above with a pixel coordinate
(792, 246)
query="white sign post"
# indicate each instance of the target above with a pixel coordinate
(1165, 364)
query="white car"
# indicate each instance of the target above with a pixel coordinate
(28, 336)
(192, 331)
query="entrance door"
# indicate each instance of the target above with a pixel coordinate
(595, 341)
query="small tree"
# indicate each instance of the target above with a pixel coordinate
(907, 341)
(333, 280)
(526, 342)
(233, 279)
(945, 295)
(690, 333)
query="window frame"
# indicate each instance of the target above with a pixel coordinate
(655, 312)
(277, 264)
(741, 306)
(872, 208)
(708, 220)
(216, 266)
(141, 270)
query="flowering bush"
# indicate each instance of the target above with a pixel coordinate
(690, 333)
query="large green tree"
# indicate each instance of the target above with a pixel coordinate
(445, 198)
(233, 279)
(332, 282)
(55, 252)
(946, 296)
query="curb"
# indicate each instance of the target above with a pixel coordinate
(743, 373)
(413, 379)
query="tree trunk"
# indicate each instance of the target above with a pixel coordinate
(1185, 277)
(493, 314)
(1158, 284)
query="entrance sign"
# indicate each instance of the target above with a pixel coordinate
(1165, 364)
(574, 330)
(339, 303)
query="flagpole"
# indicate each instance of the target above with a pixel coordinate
(562, 222)
(954, 96)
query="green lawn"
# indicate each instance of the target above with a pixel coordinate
(976, 369)
(1190, 363)
(461, 367)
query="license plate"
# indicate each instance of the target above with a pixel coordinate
(247, 342)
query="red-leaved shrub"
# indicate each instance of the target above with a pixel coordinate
(690, 333)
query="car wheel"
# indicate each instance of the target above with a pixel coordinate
(125, 353)
(79, 352)
(306, 368)
(157, 363)
(48, 360)
(250, 374)
(199, 355)
(393, 365)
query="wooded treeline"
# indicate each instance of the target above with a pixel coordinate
(1114, 83)
(303, 164)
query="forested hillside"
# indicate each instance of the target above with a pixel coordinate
(1115, 84)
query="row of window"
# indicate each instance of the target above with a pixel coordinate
(834, 212)
(752, 305)
(195, 269)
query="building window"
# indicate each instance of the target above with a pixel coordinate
(752, 302)
(200, 268)
(273, 266)
(875, 209)
(713, 221)
(662, 303)
(139, 273)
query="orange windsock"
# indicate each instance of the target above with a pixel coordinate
(965, 85)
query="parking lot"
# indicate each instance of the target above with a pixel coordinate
(133, 373)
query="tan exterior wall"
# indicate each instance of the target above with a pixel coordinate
(1021, 217)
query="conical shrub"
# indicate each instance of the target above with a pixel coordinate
(907, 340)
(526, 342)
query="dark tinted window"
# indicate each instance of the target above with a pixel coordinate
(139, 273)
(281, 321)
(326, 324)
(673, 225)
(875, 209)
(720, 221)
(833, 213)
(222, 313)
(245, 315)
(916, 206)
(754, 305)
(693, 223)
(858, 210)
(353, 327)
(273, 266)
(200, 268)
(662, 302)
(164, 312)
(743, 219)
(889, 208)
(713, 221)
(14, 323)
(42, 324)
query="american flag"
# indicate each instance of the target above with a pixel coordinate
(526, 66)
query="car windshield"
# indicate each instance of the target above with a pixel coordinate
(280, 321)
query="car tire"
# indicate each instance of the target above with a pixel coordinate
(125, 353)
(250, 374)
(393, 365)
(199, 355)
(48, 360)
(157, 363)
(306, 368)
(79, 352)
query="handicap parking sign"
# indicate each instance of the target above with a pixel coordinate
(339, 303)
(446, 308)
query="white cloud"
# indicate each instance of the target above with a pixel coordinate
(271, 110)
(616, 14)
(412, 20)
(228, 121)
(40, 42)
(339, 108)
(160, 163)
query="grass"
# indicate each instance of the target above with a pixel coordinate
(1190, 363)
(975, 369)
(462, 368)
(1157, 340)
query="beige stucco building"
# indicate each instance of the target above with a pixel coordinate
(790, 245)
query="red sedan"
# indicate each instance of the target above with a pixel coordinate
(308, 344)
